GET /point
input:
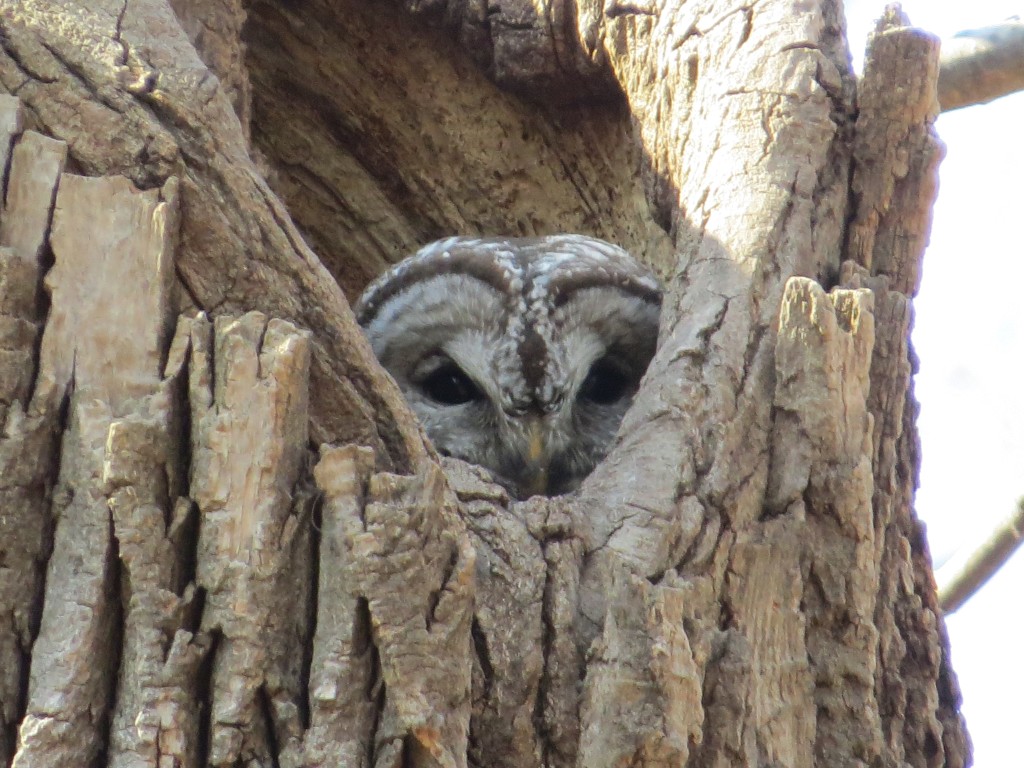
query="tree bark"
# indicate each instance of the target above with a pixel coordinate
(224, 539)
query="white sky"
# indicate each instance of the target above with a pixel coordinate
(969, 335)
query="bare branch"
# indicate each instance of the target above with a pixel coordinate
(979, 65)
(964, 575)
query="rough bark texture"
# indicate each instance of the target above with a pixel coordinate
(224, 541)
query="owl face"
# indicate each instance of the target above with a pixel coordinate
(520, 355)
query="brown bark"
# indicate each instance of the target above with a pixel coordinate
(228, 542)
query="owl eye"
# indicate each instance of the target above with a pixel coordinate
(605, 384)
(449, 385)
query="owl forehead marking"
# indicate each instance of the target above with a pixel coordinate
(535, 276)
(500, 271)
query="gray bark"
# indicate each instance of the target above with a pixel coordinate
(224, 540)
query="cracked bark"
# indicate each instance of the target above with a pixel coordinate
(223, 538)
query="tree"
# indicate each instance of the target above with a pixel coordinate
(223, 538)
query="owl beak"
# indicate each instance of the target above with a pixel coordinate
(535, 480)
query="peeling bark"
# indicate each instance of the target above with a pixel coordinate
(29, 438)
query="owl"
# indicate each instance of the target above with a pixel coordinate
(517, 354)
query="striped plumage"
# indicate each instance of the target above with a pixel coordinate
(517, 354)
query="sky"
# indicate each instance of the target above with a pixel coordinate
(969, 336)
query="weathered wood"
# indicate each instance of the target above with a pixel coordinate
(344, 678)
(155, 111)
(642, 696)
(511, 629)
(36, 165)
(12, 121)
(895, 153)
(742, 582)
(368, 189)
(215, 30)
(248, 387)
(824, 539)
(100, 227)
(913, 651)
(28, 437)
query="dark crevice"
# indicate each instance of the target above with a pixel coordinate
(186, 546)
(208, 328)
(43, 300)
(30, 74)
(544, 684)
(266, 706)
(473, 750)
(204, 698)
(378, 711)
(260, 341)
(182, 281)
(726, 618)
(315, 541)
(690, 32)
(23, 658)
(5, 172)
(660, 194)
(54, 499)
(362, 640)
(656, 578)
(118, 31)
(435, 595)
(184, 539)
(191, 620)
(853, 200)
(840, 166)
(483, 655)
(114, 604)
(80, 76)
(692, 76)
(748, 25)
(557, 536)
(770, 511)
(627, 9)
(364, 649)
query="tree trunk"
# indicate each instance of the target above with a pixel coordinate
(223, 539)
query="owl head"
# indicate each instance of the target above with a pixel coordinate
(517, 354)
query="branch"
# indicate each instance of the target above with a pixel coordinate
(971, 571)
(979, 65)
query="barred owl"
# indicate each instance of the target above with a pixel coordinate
(517, 354)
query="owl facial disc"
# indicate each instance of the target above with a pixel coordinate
(517, 354)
